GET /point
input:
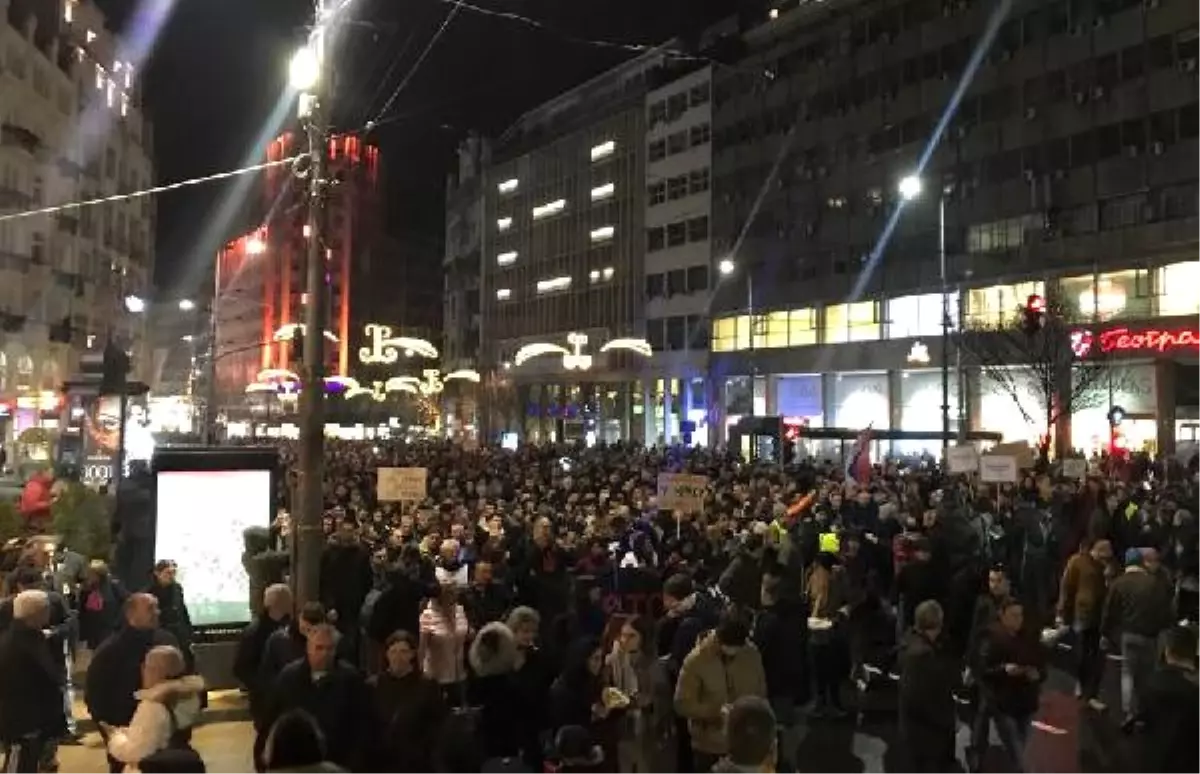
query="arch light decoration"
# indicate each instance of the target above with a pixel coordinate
(386, 348)
(276, 375)
(574, 359)
(288, 332)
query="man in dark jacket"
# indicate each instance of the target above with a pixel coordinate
(115, 673)
(928, 678)
(31, 710)
(333, 692)
(346, 579)
(287, 644)
(276, 614)
(1136, 611)
(1171, 711)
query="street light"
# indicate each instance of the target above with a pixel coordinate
(135, 304)
(304, 70)
(726, 267)
(255, 246)
(186, 305)
(910, 189)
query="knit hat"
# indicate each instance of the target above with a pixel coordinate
(1133, 557)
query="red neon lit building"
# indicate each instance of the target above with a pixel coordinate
(260, 276)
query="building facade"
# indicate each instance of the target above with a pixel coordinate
(546, 244)
(1068, 170)
(72, 129)
(260, 277)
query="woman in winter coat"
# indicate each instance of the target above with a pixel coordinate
(532, 682)
(444, 632)
(645, 733)
(409, 710)
(575, 696)
(168, 706)
(494, 692)
(100, 601)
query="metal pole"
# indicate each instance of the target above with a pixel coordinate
(753, 333)
(309, 536)
(945, 327)
(210, 386)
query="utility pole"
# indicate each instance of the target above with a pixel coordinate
(310, 73)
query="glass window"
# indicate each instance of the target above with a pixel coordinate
(1180, 283)
(676, 282)
(802, 327)
(1000, 304)
(676, 234)
(698, 95)
(1109, 295)
(677, 143)
(697, 279)
(698, 229)
(700, 134)
(655, 239)
(837, 323)
(864, 321)
(772, 331)
(658, 150)
(913, 316)
(654, 285)
(677, 187)
(725, 332)
(658, 193)
(698, 180)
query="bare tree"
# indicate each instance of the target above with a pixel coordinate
(1052, 366)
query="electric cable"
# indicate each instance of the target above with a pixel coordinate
(458, 5)
(152, 190)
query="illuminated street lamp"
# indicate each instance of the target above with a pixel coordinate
(255, 246)
(910, 188)
(726, 267)
(186, 304)
(304, 70)
(135, 304)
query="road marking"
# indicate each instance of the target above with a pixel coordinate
(1049, 729)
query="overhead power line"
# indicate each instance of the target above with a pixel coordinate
(76, 205)
(417, 64)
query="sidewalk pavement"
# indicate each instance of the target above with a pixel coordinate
(224, 746)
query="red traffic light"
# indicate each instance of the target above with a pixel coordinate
(1035, 304)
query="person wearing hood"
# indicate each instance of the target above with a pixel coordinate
(494, 690)
(722, 668)
(409, 710)
(1171, 714)
(115, 674)
(689, 613)
(645, 729)
(168, 706)
(1136, 610)
(928, 677)
(276, 614)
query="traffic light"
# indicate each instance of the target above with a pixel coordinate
(107, 368)
(1115, 415)
(1034, 314)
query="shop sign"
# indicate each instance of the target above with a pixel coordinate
(919, 354)
(1148, 340)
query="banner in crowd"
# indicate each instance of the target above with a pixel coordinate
(401, 484)
(998, 469)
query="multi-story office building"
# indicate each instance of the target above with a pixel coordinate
(260, 278)
(550, 232)
(678, 264)
(73, 129)
(1068, 169)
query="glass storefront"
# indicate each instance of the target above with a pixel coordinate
(1010, 404)
(1111, 296)
(921, 409)
(861, 400)
(1131, 387)
(916, 316)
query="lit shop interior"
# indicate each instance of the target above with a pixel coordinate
(1143, 321)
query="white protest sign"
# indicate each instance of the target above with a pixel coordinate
(1074, 467)
(998, 469)
(401, 484)
(962, 459)
(681, 492)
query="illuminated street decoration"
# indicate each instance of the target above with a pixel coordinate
(386, 348)
(276, 375)
(574, 359)
(919, 354)
(288, 332)
(465, 374)
(259, 387)
(1084, 342)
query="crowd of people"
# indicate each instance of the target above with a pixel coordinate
(538, 611)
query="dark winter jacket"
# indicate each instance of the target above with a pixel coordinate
(504, 708)
(928, 677)
(346, 577)
(31, 691)
(115, 673)
(780, 634)
(1172, 714)
(338, 701)
(249, 655)
(1137, 603)
(100, 610)
(1014, 695)
(409, 712)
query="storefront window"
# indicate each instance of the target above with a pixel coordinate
(1133, 388)
(861, 400)
(852, 322)
(1180, 286)
(725, 334)
(1000, 305)
(772, 332)
(1108, 296)
(921, 409)
(802, 327)
(914, 316)
(1011, 404)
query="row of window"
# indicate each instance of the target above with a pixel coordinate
(597, 153)
(678, 142)
(674, 106)
(1167, 291)
(693, 279)
(678, 187)
(560, 284)
(677, 234)
(671, 334)
(1085, 82)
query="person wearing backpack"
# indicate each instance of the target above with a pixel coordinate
(168, 707)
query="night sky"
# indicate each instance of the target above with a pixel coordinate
(219, 66)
